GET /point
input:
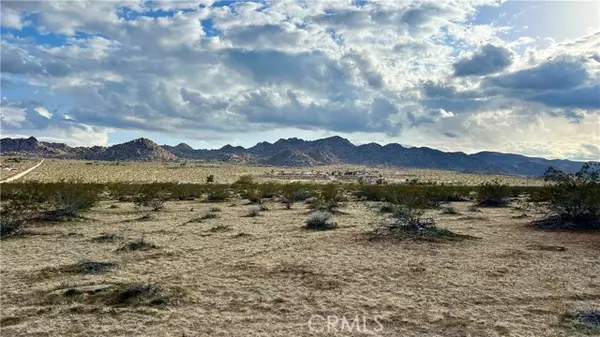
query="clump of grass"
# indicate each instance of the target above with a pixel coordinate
(241, 235)
(113, 206)
(215, 209)
(220, 228)
(450, 210)
(319, 220)
(139, 294)
(132, 294)
(106, 238)
(204, 217)
(139, 244)
(89, 267)
(586, 321)
(146, 217)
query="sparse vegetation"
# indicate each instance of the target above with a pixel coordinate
(319, 220)
(88, 267)
(253, 211)
(243, 256)
(204, 217)
(220, 228)
(585, 321)
(450, 210)
(407, 223)
(493, 194)
(107, 238)
(574, 199)
(139, 244)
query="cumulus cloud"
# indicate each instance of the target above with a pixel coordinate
(409, 71)
(488, 60)
(559, 73)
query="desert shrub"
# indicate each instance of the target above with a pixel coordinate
(10, 225)
(268, 190)
(106, 238)
(253, 211)
(139, 244)
(88, 267)
(493, 194)
(218, 193)
(220, 228)
(586, 321)
(288, 194)
(574, 199)
(386, 208)
(204, 217)
(407, 223)
(140, 294)
(474, 208)
(210, 179)
(319, 220)
(254, 195)
(215, 209)
(152, 196)
(450, 210)
(245, 180)
(329, 198)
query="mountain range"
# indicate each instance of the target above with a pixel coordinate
(298, 152)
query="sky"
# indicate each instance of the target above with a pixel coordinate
(458, 75)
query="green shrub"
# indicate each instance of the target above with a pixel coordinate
(493, 194)
(218, 193)
(574, 199)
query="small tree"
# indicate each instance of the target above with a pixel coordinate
(329, 198)
(574, 198)
(288, 192)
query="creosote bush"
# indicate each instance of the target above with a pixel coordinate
(493, 194)
(573, 199)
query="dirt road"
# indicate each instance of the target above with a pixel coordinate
(19, 175)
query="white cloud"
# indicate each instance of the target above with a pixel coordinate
(384, 69)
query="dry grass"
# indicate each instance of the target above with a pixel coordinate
(196, 172)
(9, 167)
(266, 276)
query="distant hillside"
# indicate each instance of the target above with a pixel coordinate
(139, 149)
(298, 152)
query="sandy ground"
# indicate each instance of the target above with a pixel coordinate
(15, 168)
(272, 279)
(194, 172)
